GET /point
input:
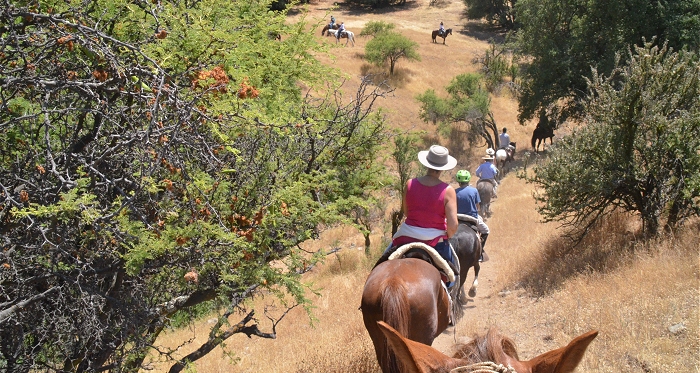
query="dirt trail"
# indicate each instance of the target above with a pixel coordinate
(438, 66)
(487, 301)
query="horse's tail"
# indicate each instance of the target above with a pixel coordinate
(396, 313)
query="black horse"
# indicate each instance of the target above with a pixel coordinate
(467, 246)
(540, 136)
(436, 33)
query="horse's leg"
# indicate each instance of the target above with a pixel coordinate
(475, 283)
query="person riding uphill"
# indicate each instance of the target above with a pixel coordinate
(467, 201)
(441, 29)
(330, 25)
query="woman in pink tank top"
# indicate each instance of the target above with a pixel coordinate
(430, 204)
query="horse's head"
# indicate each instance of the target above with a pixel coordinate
(493, 347)
(448, 31)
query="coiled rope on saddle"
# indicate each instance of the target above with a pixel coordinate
(484, 367)
(437, 259)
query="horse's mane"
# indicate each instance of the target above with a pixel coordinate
(489, 347)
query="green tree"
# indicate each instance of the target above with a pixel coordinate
(562, 40)
(501, 12)
(467, 105)
(404, 156)
(155, 159)
(390, 46)
(639, 148)
(373, 28)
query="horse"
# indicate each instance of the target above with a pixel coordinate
(408, 294)
(500, 161)
(436, 33)
(327, 28)
(484, 352)
(467, 246)
(346, 34)
(485, 189)
(540, 135)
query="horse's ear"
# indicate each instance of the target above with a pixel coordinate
(413, 356)
(565, 359)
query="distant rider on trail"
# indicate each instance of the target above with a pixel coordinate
(441, 29)
(330, 25)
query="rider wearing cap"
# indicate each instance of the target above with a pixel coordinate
(467, 201)
(487, 171)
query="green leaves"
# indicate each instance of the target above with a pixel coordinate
(638, 150)
(390, 46)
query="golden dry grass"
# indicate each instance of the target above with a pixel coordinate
(536, 288)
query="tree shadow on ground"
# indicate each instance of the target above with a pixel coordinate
(379, 75)
(482, 30)
(354, 9)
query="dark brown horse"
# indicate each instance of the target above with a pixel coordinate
(436, 33)
(467, 245)
(327, 27)
(419, 358)
(540, 135)
(408, 294)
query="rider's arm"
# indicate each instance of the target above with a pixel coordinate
(451, 211)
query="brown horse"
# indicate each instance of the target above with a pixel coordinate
(436, 33)
(407, 293)
(327, 27)
(419, 358)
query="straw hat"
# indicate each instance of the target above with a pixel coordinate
(437, 158)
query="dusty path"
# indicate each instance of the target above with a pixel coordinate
(487, 301)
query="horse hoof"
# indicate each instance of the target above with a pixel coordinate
(472, 293)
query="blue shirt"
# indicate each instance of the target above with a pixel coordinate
(486, 170)
(467, 199)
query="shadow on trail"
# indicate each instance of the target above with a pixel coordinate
(361, 9)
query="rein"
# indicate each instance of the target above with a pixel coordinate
(484, 367)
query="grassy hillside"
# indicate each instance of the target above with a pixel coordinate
(537, 288)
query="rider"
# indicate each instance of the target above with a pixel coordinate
(441, 29)
(330, 26)
(341, 29)
(503, 139)
(487, 171)
(467, 199)
(430, 206)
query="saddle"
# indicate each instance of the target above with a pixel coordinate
(419, 250)
(469, 221)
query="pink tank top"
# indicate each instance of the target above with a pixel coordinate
(426, 208)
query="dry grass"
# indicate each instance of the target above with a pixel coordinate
(536, 288)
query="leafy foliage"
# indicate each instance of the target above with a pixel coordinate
(468, 103)
(639, 150)
(156, 156)
(562, 40)
(501, 12)
(390, 46)
(497, 63)
(372, 28)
